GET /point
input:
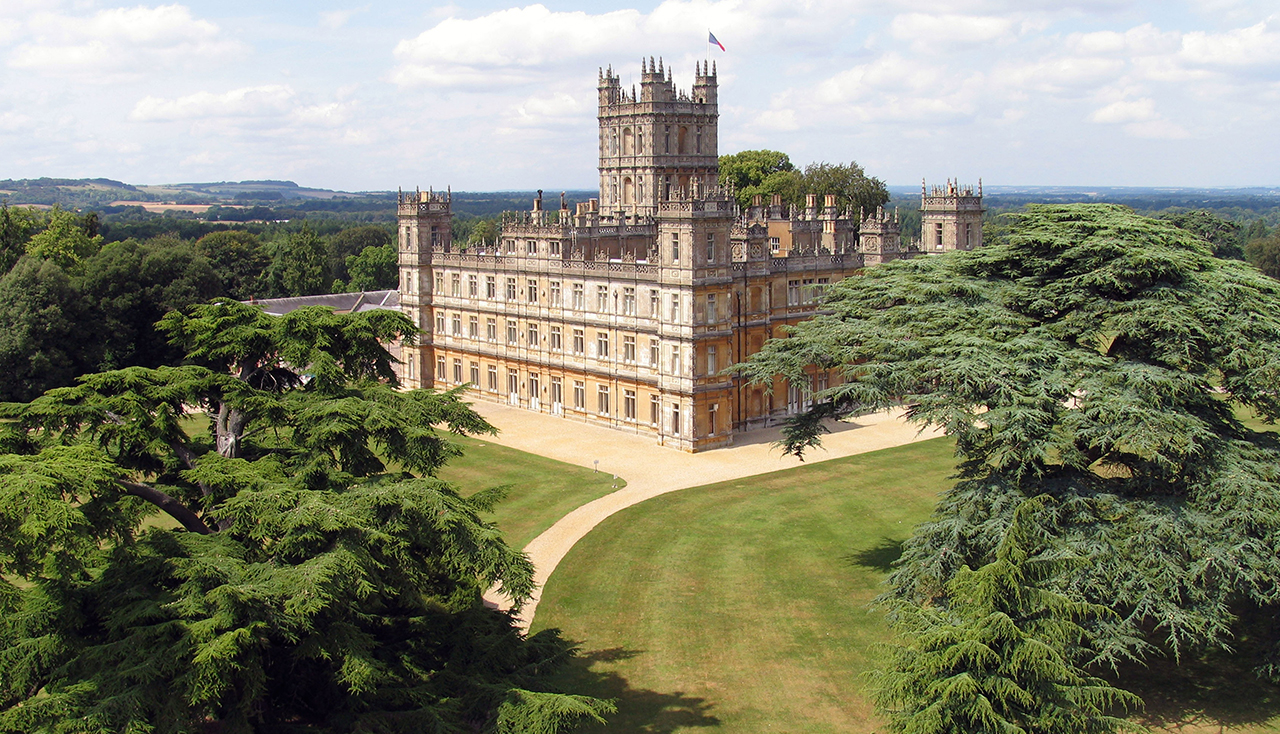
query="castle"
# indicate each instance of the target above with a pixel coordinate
(625, 310)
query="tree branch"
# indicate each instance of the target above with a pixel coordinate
(175, 509)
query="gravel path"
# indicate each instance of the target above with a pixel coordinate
(651, 470)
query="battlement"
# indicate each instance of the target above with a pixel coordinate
(425, 202)
(950, 195)
(656, 87)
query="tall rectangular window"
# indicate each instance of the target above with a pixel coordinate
(475, 374)
(493, 378)
(473, 326)
(711, 247)
(556, 345)
(602, 344)
(675, 307)
(456, 285)
(457, 325)
(655, 358)
(793, 293)
(457, 370)
(713, 419)
(675, 419)
(439, 284)
(579, 395)
(602, 298)
(556, 299)
(531, 291)
(473, 285)
(440, 324)
(937, 236)
(629, 349)
(557, 392)
(491, 330)
(511, 289)
(653, 304)
(579, 297)
(655, 409)
(440, 368)
(579, 341)
(490, 287)
(555, 247)
(534, 341)
(675, 247)
(602, 399)
(511, 332)
(713, 314)
(675, 359)
(531, 247)
(629, 301)
(629, 404)
(712, 361)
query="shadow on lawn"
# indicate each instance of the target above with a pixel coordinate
(881, 557)
(1213, 693)
(640, 710)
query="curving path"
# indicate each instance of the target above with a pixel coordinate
(651, 470)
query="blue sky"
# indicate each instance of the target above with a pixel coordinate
(488, 96)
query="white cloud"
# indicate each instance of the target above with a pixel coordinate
(521, 44)
(268, 100)
(1138, 110)
(930, 31)
(117, 39)
(1257, 45)
(556, 108)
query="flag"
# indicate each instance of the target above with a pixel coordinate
(711, 38)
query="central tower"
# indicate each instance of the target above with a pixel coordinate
(658, 144)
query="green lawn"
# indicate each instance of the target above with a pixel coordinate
(742, 606)
(541, 490)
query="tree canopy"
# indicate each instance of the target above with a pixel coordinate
(769, 172)
(1096, 357)
(311, 574)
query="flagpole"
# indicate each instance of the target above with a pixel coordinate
(708, 47)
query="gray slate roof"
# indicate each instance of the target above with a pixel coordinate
(340, 302)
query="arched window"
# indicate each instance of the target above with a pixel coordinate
(628, 191)
(680, 139)
(628, 144)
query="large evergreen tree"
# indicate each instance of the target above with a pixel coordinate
(1004, 653)
(309, 573)
(1094, 356)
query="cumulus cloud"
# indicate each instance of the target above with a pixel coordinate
(1255, 46)
(117, 39)
(929, 31)
(1138, 110)
(521, 44)
(271, 99)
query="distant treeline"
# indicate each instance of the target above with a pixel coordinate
(80, 293)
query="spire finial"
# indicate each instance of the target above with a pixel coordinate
(713, 68)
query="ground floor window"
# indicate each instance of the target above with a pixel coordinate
(440, 368)
(602, 399)
(475, 374)
(457, 370)
(629, 404)
(675, 419)
(655, 410)
(579, 395)
(493, 378)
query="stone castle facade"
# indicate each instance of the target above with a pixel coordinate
(625, 310)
